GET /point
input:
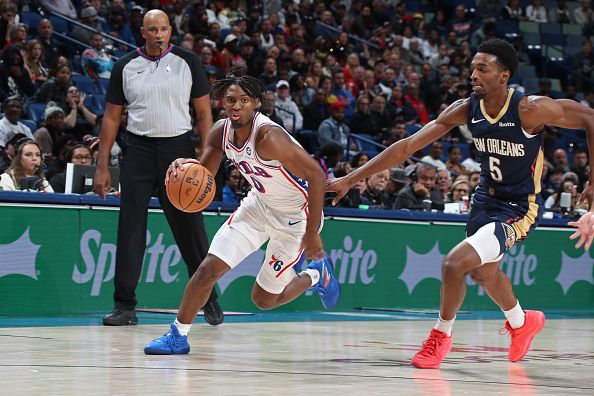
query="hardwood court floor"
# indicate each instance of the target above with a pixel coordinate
(318, 357)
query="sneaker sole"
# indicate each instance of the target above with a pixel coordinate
(540, 322)
(149, 351)
(129, 323)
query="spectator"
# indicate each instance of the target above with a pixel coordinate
(554, 201)
(417, 103)
(583, 64)
(395, 184)
(300, 92)
(359, 159)
(453, 163)
(560, 159)
(341, 94)
(57, 163)
(470, 163)
(359, 121)
(27, 162)
(433, 158)
(118, 26)
(458, 190)
(54, 128)
(474, 178)
(421, 189)
(7, 153)
(536, 12)
(95, 61)
(76, 154)
(269, 74)
(560, 13)
(581, 166)
(14, 78)
(79, 120)
(288, 110)
(334, 129)
(55, 88)
(461, 24)
(52, 48)
(136, 13)
(314, 74)
(33, 59)
(375, 193)
(269, 110)
(583, 14)
(317, 111)
(88, 16)
(444, 182)
(64, 7)
(396, 133)
(8, 19)
(400, 107)
(18, 37)
(328, 156)
(235, 188)
(12, 107)
(513, 10)
(379, 121)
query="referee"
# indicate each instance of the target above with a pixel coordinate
(156, 83)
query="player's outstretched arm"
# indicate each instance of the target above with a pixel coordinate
(454, 115)
(211, 155)
(566, 113)
(275, 144)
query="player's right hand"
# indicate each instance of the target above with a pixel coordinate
(178, 166)
(340, 186)
(102, 181)
(585, 230)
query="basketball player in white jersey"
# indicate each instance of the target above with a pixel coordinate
(283, 207)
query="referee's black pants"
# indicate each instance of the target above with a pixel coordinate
(144, 166)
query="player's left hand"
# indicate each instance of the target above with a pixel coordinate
(585, 230)
(312, 246)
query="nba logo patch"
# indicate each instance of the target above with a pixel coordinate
(248, 151)
(168, 68)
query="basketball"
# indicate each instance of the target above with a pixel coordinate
(192, 190)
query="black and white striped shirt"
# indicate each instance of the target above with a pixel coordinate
(158, 93)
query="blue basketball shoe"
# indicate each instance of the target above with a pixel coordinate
(171, 343)
(328, 286)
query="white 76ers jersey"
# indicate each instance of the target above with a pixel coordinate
(275, 185)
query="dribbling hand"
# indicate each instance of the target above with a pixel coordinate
(340, 186)
(178, 166)
(585, 230)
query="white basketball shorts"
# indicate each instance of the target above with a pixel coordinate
(249, 227)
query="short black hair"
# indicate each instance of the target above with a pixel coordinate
(507, 56)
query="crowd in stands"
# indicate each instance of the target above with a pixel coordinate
(345, 78)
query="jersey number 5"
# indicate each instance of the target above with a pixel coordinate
(494, 167)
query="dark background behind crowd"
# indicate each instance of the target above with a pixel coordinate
(346, 78)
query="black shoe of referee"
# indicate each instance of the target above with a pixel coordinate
(120, 317)
(213, 314)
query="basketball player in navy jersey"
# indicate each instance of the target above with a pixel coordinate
(506, 128)
(284, 207)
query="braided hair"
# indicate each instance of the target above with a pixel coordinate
(238, 76)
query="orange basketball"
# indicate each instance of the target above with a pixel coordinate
(192, 190)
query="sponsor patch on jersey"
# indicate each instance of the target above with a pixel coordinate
(510, 235)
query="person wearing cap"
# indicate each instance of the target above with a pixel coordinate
(287, 108)
(54, 127)
(230, 54)
(12, 108)
(7, 152)
(89, 17)
(155, 83)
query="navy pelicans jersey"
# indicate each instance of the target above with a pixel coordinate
(511, 161)
(273, 183)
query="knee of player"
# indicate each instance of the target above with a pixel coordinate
(456, 262)
(263, 303)
(206, 273)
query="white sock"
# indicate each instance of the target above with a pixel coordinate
(183, 329)
(515, 316)
(313, 274)
(445, 326)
